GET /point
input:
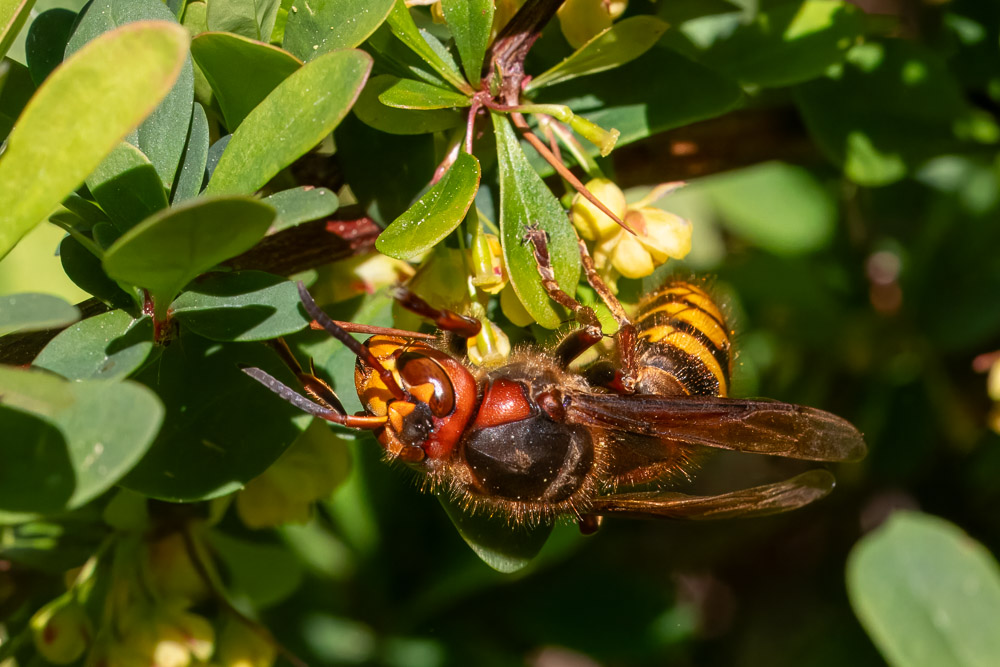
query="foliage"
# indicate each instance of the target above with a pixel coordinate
(158, 506)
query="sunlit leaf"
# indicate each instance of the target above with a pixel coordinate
(374, 113)
(79, 115)
(926, 593)
(301, 204)
(412, 94)
(191, 175)
(435, 215)
(296, 116)
(34, 312)
(525, 201)
(127, 187)
(621, 43)
(470, 22)
(109, 346)
(13, 14)
(424, 45)
(253, 19)
(320, 26)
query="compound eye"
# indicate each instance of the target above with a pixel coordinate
(418, 371)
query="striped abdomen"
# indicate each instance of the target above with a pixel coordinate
(684, 342)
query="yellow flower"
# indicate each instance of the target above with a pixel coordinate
(581, 20)
(61, 630)
(591, 222)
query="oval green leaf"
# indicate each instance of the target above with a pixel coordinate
(161, 135)
(621, 43)
(374, 113)
(45, 45)
(106, 428)
(241, 306)
(34, 312)
(191, 175)
(127, 187)
(296, 116)
(500, 545)
(411, 94)
(222, 428)
(525, 200)
(16, 88)
(302, 204)
(168, 250)
(253, 19)
(425, 45)
(926, 593)
(435, 215)
(109, 346)
(321, 26)
(84, 269)
(79, 115)
(225, 59)
(471, 22)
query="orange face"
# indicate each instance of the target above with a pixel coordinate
(441, 397)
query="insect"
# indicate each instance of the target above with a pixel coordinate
(533, 440)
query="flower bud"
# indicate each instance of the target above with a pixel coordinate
(490, 274)
(630, 257)
(513, 309)
(592, 223)
(171, 571)
(241, 645)
(490, 347)
(581, 20)
(61, 630)
(993, 381)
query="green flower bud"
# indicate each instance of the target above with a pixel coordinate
(241, 645)
(61, 630)
(592, 223)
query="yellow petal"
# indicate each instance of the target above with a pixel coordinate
(592, 223)
(630, 258)
(666, 234)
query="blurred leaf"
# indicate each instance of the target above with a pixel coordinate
(106, 428)
(80, 114)
(424, 45)
(165, 252)
(296, 116)
(253, 19)
(13, 14)
(45, 45)
(639, 105)
(927, 593)
(34, 312)
(222, 428)
(412, 94)
(435, 215)
(866, 115)
(778, 207)
(109, 346)
(320, 26)
(301, 204)
(789, 44)
(264, 573)
(241, 306)
(621, 43)
(127, 187)
(226, 58)
(525, 200)
(374, 113)
(191, 175)
(470, 22)
(500, 545)
(161, 136)
(16, 88)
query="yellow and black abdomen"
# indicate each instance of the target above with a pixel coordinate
(684, 343)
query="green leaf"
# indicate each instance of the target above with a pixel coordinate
(424, 45)
(168, 250)
(191, 175)
(161, 136)
(45, 45)
(866, 114)
(16, 88)
(127, 187)
(260, 572)
(374, 113)
(926, 593)
(639, 105)
(222, 428)
(106, 428)
(525, 200)
(435, 215)
(301, 204)
(321, 26)
(621, 43)
(789, 44)
(79, 115)
(296, 116)
(411, 94)
(34, 312)
(500, 545)
(85, 269)
(13, 14)
(241, 306)
(225, 59)
(253, 19)
(778, 207)
(109, 346)
(470, 22)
